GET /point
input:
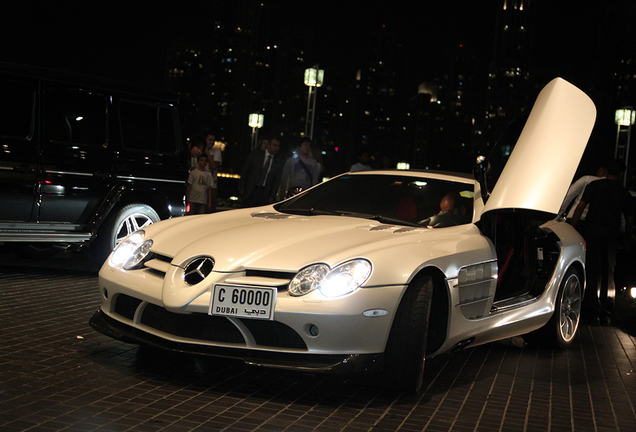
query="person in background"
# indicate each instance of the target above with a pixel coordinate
(198, 190)
(575, 192)
(261, 175)
(215, 158)
(609, 203)
(263, 143)
(300, 170)
(386, 162)
(196, 149)
(363, 162)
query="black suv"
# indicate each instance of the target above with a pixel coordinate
(82, 160)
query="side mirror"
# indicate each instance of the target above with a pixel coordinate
(480, 171)
(293, 191)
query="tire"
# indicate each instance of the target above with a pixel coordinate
(561, 330)
(406, 348)
(118, 226)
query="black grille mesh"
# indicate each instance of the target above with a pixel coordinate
(210, 328)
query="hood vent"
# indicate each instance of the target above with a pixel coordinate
(271, 215)
(395, 229)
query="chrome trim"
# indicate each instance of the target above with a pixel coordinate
(117, 177)
(508, 304)
(150, 179)
(68, 173)
(196, 270)
(45, 237)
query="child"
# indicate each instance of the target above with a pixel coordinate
(196, 149)
(198, 191)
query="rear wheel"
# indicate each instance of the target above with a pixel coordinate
(118, 226)
(560, 331)
(406, 347)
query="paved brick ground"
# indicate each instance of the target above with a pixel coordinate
(56, 374)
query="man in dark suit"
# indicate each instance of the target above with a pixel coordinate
(610, 208)
(261, 175)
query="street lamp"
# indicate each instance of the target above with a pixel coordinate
(313, 79)
(624, 117)
(255, 121)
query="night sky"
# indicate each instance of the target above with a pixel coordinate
(128, 40)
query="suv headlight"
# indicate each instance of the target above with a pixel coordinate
(131, 252)
(343, 279)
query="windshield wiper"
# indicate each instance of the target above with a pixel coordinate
(317, 212)
(379, 218)
(308, 212)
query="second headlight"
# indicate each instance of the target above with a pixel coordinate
(343, 279)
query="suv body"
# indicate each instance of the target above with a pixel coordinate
(84, 160)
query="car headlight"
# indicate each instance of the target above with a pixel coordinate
(344, 279)
(131, 252)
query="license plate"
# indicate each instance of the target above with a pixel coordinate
(243, 302)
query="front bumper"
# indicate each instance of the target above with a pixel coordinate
(335, 363)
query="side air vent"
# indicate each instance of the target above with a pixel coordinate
(476, 285)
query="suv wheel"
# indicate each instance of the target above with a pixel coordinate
(118, 226)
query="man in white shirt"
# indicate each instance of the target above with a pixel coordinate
(215, 158)
(575, 192)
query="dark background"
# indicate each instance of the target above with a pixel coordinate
(581, 41)
(128, 40)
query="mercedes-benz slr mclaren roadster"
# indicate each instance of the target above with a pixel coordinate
(371, 271)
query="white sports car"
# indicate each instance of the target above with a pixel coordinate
(374, 271)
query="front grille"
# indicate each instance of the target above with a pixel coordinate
(160, 257)
(209, 328)
(270, 274)
(274, 334)
(195, 326)
(126, 306)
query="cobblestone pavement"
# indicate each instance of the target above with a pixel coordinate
(56, 373)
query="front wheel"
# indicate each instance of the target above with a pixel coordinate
(560, 331)
(118, 226)
(406, 348)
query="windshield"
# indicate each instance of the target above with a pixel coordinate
(392, 199)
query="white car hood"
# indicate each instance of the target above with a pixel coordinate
(265, 239)
(541, 167)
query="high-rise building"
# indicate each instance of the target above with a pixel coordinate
(241, 64)
(510, 84)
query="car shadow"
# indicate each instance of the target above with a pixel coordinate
(69, 260)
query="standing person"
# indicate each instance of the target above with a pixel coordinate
(215, 158)
(386, 162)
(261, 175)
(263, 143)
(198, 191)
(197, 147)
(575, 192)
(363, 162)
(301, 170)
(609, 202)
